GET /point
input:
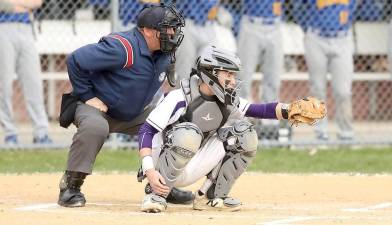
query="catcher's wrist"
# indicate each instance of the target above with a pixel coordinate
(282, 111)
(147, 163)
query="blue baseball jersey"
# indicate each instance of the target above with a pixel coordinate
(263, 8)
(15, 17)
(198, 10)
(327, 16)
(128, 9)
(120, 70)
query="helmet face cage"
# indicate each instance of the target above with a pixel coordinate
(229, 93)
(213, 60)
(173, 19)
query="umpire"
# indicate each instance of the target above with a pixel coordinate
(115, 80)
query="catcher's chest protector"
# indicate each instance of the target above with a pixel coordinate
(207, 115)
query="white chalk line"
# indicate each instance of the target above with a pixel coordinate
(369, 208)
(54, 208)
(289, 220)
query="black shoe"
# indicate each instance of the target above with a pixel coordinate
(71, 198)
(176, 196)
(70, 195)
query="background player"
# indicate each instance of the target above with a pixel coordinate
(260, 42)
(329, 49)
(200, 16)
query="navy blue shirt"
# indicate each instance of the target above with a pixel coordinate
(15, 17)
(120, 70)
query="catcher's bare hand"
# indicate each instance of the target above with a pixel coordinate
(157, 182)
(97, 103)
(307, 110)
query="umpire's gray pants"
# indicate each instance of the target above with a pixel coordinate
(18, 56)
(94, 127)
(333, 55)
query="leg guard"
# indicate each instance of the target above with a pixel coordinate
(240, 142)
(181, 144)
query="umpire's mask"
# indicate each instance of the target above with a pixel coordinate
(161, 17)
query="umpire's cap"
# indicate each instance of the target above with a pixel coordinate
(159, 16)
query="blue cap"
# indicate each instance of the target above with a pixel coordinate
(157, 16)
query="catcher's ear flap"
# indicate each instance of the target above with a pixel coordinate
(68, 109)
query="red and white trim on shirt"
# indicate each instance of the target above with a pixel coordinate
(128, 49)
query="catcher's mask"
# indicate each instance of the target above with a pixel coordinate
(213, 60)
(161, 17)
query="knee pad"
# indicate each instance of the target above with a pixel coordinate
(180, 145)
(240, 137)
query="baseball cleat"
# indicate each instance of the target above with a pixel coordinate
(201, 202)
(153, 203)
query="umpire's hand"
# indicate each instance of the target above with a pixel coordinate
(157, 182)
(97, 103)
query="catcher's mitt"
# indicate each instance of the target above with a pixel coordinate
(308, 110)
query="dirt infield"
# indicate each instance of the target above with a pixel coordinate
(268, 199)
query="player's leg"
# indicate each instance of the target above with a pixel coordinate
(342, 76)
(390, 46)
(240, 145)
(92, 131)
(249, 51)
(316, 59)
(181, 143)
(7, 73)
(187, 52)
(272, 66)
(29, 73)
(176, 196)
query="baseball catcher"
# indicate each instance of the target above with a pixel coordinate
(200, 130)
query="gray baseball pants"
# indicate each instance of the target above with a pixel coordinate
(94, 127)
(333, 55)
(19, 58)
(196, 38)
(261, 44)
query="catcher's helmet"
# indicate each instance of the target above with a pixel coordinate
(160, 17)
(212, 60)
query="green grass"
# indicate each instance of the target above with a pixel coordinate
(269, 161)
(355, 161)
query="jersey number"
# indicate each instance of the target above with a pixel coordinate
(277, 8)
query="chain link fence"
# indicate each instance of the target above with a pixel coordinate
(282, 45)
